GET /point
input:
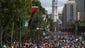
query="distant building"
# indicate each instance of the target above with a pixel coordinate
(81, 9)
(60, 16)
(64, 17)
(54, 10)
(81, 15)
(69, 14)
(71, 11)
(55, 13)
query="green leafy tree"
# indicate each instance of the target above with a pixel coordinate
(12, 12)
(37, 19)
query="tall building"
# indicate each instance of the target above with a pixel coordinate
(81, 15)
(69, 14)
(81, 8)
(71, 11)
(64, 16)
(54, 10)
(55, 13)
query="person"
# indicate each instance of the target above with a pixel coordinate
(77, 46)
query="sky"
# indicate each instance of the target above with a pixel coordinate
(47, 4)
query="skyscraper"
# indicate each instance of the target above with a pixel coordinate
(81, 8)
(69, 14)
(71, 11)
(55, 12)
(64, 17)
(81, 15)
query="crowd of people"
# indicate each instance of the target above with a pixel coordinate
(61, 41)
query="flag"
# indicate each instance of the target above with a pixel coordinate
(33, 10)
(31, 13)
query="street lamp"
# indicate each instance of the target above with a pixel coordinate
(37, 28)
(38, 32)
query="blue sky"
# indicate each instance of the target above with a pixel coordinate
(47, 4)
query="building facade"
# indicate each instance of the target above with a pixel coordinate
(81, 9)
(54, 10)
(69, 14)
(55, 13)
(81, 15)
(64, 16)
(71, 11)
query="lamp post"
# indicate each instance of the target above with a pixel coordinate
(38, 32)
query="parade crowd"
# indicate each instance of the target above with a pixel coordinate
(62, 41)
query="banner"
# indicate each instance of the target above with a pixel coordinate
(31, 13)
(33, 10)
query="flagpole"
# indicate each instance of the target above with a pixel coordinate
(31, 13)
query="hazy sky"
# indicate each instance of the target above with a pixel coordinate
(47, 4)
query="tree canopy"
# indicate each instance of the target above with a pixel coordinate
(12, 12)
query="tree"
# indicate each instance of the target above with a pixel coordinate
(12, 12)
(49, 21)
(37, 19)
